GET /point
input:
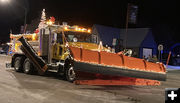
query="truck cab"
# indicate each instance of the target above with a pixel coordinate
(51, 46)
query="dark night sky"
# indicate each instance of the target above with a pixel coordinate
(160, 15)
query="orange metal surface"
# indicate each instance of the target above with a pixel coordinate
(127, 81)
(99, 79)
(118, 60)
(111, 59)
(134, 63)
(76, 53)
(90, 56)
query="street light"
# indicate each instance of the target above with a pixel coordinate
(25, 13)
(23, 7)
(3, 1)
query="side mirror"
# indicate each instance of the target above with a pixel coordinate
(75, 39)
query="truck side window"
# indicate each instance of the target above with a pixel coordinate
(59, 38)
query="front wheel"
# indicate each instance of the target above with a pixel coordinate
(70, 73)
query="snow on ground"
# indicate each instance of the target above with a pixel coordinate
(170, 67)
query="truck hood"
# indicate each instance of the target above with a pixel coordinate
(90, 46)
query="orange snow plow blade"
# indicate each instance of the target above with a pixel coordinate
(85, 78)
(106, 68)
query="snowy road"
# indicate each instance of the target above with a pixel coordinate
(22, 88)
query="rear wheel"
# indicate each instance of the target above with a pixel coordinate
(70, 74)
(18, 64)
(28, 66)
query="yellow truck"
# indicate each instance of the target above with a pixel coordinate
(69, 51)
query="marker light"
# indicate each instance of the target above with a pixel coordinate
(49, 22)
(89, 30)
(34, 36)
(66, 28)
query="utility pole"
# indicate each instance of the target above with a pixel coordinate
(25, 18)
(127, 21)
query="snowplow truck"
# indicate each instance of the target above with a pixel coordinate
(69, 51)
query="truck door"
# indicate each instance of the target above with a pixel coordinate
(58, 46)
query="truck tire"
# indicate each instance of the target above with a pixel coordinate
(18, 64)
(70, 74)
(28, 67)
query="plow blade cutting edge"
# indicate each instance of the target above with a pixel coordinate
(117, 65)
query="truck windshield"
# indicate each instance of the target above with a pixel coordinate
(77, 36)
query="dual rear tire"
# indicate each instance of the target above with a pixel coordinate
(22, 64)
(18, 67)
(28, 67)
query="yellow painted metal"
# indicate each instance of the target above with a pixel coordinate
(59, 51)
(29, 37)
(89, 46)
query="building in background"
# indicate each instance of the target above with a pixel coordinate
(139, 40)
(106, 34)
